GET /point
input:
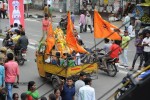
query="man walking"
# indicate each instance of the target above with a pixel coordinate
(124, 46)
(79, 83)
(146, 44)
(72, 17)
(50, 10)
(5, 10)
(45, 9)
(87, 92)
(126, 21)
(137, 26)
(11, 72)
(1, 8)
(82, 22)
(88, 22)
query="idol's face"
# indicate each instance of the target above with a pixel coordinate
(16, 8)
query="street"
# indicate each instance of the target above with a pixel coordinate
(29, 72)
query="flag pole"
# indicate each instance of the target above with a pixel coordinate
(93, 33)
(95, 43)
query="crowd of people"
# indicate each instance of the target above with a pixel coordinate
(67, 90)
(142, 42)
(15, 40)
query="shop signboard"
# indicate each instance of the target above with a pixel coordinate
(138, 12)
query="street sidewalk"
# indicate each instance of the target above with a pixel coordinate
(38, 14)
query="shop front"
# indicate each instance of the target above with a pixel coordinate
(58, 5)
(145, 5)
(107, 8)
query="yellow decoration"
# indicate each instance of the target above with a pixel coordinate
(60, 41)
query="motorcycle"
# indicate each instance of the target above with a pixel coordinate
(6, 42)
(20, 56)
(111, 69)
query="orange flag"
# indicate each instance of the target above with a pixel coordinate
(70, 39)
(103, 29)
(50, 40)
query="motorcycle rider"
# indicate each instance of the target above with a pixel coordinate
(22, 43)
(15, 39)
(15, 27)
(115, 50)
(10, 40)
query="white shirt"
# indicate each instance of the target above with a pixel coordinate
(78, 85)
(130, 29)
(13, 29)
(78, 59)
(86, 93)
(126, 21)
(16, 14)
(147, 41)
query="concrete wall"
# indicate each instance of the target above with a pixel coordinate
(38, 4)
(57, 5)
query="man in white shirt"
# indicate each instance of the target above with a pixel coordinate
(78, 59)
(146, 44)
(130, 30)
(15, 3)
(79, 83)
(16, 15)
(87, 92)
(126, 21)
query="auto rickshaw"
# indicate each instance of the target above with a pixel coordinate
(55, 73)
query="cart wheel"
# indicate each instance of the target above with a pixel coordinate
(55, 82)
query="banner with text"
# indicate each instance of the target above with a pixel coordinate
(16, 12)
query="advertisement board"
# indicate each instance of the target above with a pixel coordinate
(16, 12)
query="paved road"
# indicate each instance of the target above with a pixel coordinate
(29, 71)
